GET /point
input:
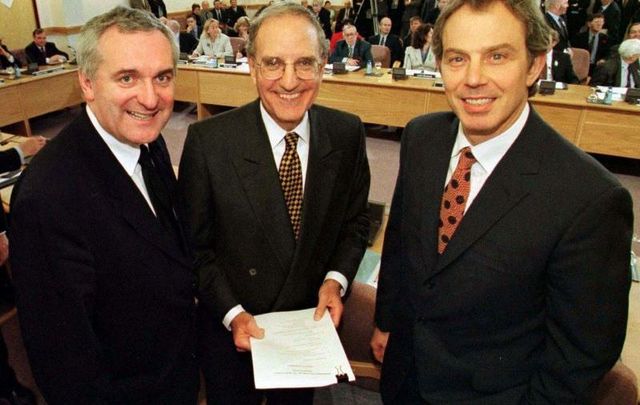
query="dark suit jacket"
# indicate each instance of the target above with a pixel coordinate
(35, 56)
(582, 41)
(231, 15)
(563, 39)
(431, 15)
(528, 303)
(9, 160)
(4, 61)
(609, 73)
(613, 22)
(324, 18)
(245, 249)
(187, 42)
(106, 299)
(361, 52)
(393, 43)
(340, 17)
(562, 69)
(158, 6)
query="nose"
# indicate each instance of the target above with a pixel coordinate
(147, 95)
(289, 79)
(475, 76)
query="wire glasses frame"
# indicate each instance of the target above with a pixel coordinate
(273, 68)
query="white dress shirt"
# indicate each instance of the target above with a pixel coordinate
(488, 154)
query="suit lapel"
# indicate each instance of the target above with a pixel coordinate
(121, 192)
(505, 187)
(260, 181)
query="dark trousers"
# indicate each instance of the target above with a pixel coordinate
(229, 374)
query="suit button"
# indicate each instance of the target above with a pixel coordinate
(253, 272)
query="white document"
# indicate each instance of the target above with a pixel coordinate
(298, 352)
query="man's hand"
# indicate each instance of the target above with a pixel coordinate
(379, 343)
(243, 327)
(4, 247)
(32, 145)
(329, 298)
(57, 59)
(353, 62)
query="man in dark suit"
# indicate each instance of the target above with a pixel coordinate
(554, 15)
(558, 66)
(103, 274)
(233, 13)
(323, 16)
(510, 286)
(158, 8)
(42, 52)
(345, 13)
(351, 50)
(593, 40)
(612, 20)
(432, 14)
(262, 243)
(620, 70)
(7, 59)
(391, 41)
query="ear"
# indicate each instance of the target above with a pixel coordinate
(536, 68)
(86, 85)
(252, 70)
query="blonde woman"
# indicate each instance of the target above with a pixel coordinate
(213, 42)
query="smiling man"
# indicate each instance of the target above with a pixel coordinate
(104, 279)
(505, 269)
(276, 194)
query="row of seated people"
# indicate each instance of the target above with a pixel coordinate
(38, 51)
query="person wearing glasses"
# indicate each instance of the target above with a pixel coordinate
(352, 50)
(275, 194)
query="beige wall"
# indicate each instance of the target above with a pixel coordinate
(17, 23)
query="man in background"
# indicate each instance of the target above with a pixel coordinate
(621, 69)
(233, 13)
(593, 40)
(558, 66)
(351, 50)
(555, 11)
(391, 41)
(42, 52)
(612, 20)
(276, 193)
(505, 270)
(102, 269)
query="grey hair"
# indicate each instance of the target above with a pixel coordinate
(629, 48)
(127, 20)
(286, 9)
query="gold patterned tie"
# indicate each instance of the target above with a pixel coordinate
(454, 198)
(291, 181)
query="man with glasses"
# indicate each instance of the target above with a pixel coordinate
(276, 199)
(351, 50)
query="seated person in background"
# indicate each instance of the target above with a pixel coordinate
(593, 40)
(213, 42)
(620, 70)
(242, 27)
(351, 50)
(414, 23)
(42, 52)
(419, 55)
(192, 27)
(234, 13)
(633, 31)
(558, 66)
(186, 42)
(386, 38)
(6, 58)
(337, 36)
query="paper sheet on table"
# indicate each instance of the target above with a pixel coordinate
(349, 68)
(618, 92)
(298, 352)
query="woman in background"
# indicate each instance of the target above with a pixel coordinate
(213, 42)
(419, 55)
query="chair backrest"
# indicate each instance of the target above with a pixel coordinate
(237, 44)
(21, 55)
(355, 332)
(381, 54)
(580, 60)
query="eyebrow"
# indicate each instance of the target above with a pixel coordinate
(135, 71)
(484, 50)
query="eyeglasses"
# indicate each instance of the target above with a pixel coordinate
(273, 68)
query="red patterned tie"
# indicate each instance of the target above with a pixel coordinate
(454, 199)
(291, 181)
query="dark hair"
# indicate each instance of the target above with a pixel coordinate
(414, 18)
(37, 31)
(593, 16)
(418, 38)
(194, 6)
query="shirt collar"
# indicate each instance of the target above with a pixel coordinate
(126, 154)
(276, 133)
(489, 153)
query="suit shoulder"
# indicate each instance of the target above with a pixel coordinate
(335, 117)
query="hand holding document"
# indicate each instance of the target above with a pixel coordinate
(298, 352)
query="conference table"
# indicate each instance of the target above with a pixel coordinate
(31, 96)
(610, 130)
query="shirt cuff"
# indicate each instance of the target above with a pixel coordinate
(231, 315)
(20, 153)
(11, 59)
(342, 280)
(47, 60)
